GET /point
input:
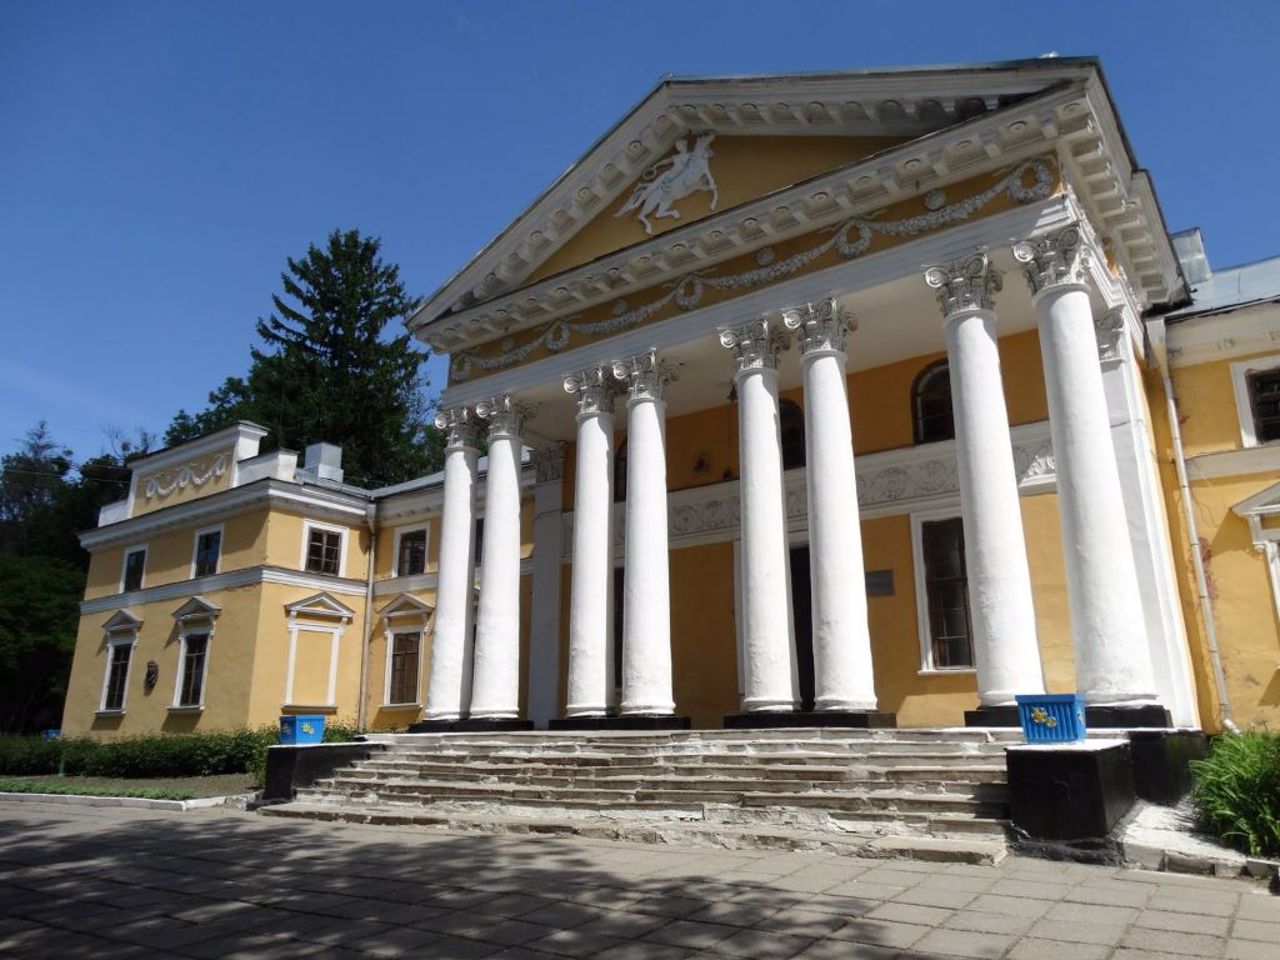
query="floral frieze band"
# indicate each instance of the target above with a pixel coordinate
(195, 474)
(850, 240)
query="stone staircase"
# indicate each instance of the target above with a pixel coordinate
(936, 794)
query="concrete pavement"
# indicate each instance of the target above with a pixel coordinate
(113, 883)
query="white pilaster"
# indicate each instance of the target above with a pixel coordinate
(495, 691)
(1006, 652)
(449, 681)
(543, 685)
(769, 657)
(842, 667)
(646, 618)
(1113, 661)
(591, 692)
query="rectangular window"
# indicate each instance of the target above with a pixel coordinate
(208, 551)
(195, 650)
(413, 554)
(118, 656)
(135, 562)
(324, 551)
(947, 592)
(619, 589)
(404, 667)
(1264, 402)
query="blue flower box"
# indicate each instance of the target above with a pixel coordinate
(301, 728)
(1051, 717)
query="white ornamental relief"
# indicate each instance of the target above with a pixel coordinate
(188, 475)
(673, 178)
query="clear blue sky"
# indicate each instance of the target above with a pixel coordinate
(159, 161)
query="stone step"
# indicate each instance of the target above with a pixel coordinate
(978, 850)
(615, 738)
(770, 753)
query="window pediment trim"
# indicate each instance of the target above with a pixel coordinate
(123, 621)
(196, 609)
(320, 605)
(406, 605)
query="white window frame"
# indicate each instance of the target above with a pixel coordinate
(335, 632)
(1240, 387)
(425, 528)
(195, 548)
(118, 638)
(142, 548)
(923, 629)
(198, 627)
(391, 629)
(310, 525)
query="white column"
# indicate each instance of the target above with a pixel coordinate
(495, 688)
(1113, 660)
(646, 618)
(543, 684)
(591, 692)
(769, 655)
(1006, 651)
(843, 674)
(449, 682)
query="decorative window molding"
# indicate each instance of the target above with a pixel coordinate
(404, 614)
(320, 613)
(195, 551)
(928, 423)
(120, 640)
(396, 558)
(1266, 539)
(1244, 404)
(924, 628)
(196, 620)
(314, 525)
(129, 552)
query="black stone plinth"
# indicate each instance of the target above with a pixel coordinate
(620, 723)
(1070, 791)
(291, 767)
(1162, 762)
(770, 720)
(1151, 715)
(992, 717)
(469, 726)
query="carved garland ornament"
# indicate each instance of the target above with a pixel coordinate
(188, 475)
(851, 239)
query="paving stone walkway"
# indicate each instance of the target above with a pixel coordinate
(113, 883)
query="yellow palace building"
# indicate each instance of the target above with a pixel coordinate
(861, 398)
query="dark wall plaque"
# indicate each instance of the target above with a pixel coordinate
(879, 583)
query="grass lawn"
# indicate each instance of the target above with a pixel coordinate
(163, 787)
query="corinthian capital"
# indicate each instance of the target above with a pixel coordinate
(461, 430)
(506, 415)
(968, 284)
(596, 388)
(644, 375)
(1054, 259)
(823, 326)
(756, 344)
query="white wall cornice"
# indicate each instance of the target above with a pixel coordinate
(1235, 463)
(248, 576)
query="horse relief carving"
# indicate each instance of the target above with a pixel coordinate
(687, 171)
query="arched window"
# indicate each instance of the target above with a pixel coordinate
(931, 404)
(791, 424)
(620, 473)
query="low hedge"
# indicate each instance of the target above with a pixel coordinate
(76, 790)
(1237, 792)
(155, 755)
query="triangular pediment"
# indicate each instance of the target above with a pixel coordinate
(197, 608)
(406, 605)
(320, 605)
(122, 621)
(768, 135)
(1263, 502)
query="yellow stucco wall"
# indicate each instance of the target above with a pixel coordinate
(1207, 406)
(744, 168)
(197, 467)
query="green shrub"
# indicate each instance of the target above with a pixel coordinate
(84, 790)
(1237, 792)
(29, 754)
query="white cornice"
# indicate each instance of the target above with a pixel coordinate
(1237, 332)
(300, 499)
(1235, 463)
(245, 577)
(844, 278)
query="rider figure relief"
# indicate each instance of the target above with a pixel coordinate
(688, 172)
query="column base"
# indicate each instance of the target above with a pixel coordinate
(628, 722)
(469, 725)
(1142, 715)
(992, 717)
(860, 719)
